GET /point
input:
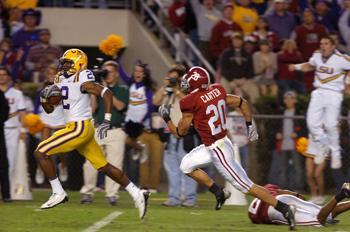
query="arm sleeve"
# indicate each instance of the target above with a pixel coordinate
(150, 107)
(126, 78)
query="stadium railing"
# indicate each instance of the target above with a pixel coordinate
(181, 45)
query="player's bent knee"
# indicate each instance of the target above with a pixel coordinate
(185, 167)
(104, 169)
(40, 155)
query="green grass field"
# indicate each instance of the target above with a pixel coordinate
(72, 216)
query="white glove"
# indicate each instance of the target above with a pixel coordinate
(49, 91)
(103, 128)
(252, 132)
(164, 111)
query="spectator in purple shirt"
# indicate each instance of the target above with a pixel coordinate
(42, 55)
(26, 37)
(326, 16)
(29, 34)
(280, 20)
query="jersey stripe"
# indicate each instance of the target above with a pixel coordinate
(68, 139)
(53, 137)
(62, 139)
(229, 169)
(328, 79)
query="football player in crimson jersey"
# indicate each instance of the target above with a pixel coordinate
(307, 213)
(205, 108)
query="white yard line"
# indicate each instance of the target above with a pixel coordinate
(103, 222)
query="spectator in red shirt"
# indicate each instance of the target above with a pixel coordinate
(177, 17)
(287, 80)
(177, 14)
(222, 32)
(309, 34)
(262, 32)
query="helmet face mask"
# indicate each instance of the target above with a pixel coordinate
(184, 85)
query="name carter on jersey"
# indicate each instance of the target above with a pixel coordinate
(211, 95)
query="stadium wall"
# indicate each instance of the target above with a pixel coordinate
(84, 28)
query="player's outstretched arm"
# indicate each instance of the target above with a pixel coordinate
(99, 90)
(235, 101)
(183, 125)
(304, 67)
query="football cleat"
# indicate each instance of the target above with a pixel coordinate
(112, 200)
(220, 200)
(332, 221)
(54, 200)
(346, 189)
(290, 216)
(86, 199)
(141, 202)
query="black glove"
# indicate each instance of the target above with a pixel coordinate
(165, 112)
(103, 128)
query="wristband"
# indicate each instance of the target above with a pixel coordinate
(177, 132)
(108, 117)
(248, 123)
(103, 91)
(240, 102)
(297, 67)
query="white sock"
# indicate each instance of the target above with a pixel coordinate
(56, 186)
(133, 190)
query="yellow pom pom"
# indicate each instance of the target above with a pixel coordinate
(301, 144)
(111, 45)
(33, 123)
(31, 120)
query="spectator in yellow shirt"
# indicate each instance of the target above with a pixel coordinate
(245, 16)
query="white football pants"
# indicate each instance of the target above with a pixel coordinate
(12, 140)
(322, 120)
(306, 214)
(220, 154)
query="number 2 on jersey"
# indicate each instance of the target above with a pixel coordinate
(65, 92)
(219, 114)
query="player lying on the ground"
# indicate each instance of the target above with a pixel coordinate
(205, 107)
(307, 213)
(72, 89)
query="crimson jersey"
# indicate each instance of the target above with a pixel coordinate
(258, 210)
(209, 112)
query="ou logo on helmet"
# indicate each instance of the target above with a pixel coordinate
(195, 76)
